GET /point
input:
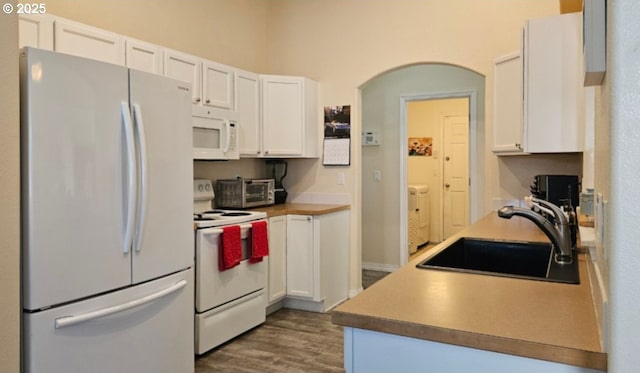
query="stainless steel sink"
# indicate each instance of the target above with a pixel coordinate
(524, 260)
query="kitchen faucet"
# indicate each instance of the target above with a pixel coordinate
(559, 233)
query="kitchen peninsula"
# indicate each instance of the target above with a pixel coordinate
(418, 320)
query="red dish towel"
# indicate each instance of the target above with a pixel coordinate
(230, 251)
(259, 241)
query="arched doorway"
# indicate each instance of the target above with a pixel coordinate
(383, 184)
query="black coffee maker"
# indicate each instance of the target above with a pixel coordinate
(277, 170)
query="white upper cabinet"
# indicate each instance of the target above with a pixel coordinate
(35, 30)
(290, 123)
(143, 56)
(247, 105)
(89, 42)
(553, 90)
(217, 85)
(185, 67)
(507, 104)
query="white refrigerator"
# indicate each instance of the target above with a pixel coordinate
(107, 194)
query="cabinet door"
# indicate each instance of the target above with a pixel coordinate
(282, 115)
(507, 104)
(300, 256)
(217, 85)
(35, 30)
(144, 56)
(247, 102)
(277, 258)
(185, 67)
(89, 42)
(553, 84)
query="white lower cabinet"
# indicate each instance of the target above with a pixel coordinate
(277, 259)
(370, 351)
(317, 261)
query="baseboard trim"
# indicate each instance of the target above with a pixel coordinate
(354, 292)
(379, 267)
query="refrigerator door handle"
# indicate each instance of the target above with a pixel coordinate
(144, 192)
(131, 176)
(65, 321)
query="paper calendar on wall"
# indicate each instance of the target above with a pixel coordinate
(337, 152)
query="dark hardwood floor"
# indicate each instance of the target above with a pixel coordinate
(289, 341)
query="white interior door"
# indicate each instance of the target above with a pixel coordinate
(161, 109)
(456, 174)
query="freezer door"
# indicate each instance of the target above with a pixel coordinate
(73, 177)
(145, 328)
(163, 240)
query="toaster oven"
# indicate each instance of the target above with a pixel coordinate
(244, 193)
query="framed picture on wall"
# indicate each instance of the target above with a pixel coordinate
(420, 146)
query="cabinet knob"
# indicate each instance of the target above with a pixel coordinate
(447, 185)
(518, 146)
(208, 101)
(198, 99)
(447, 158)
(308, 218)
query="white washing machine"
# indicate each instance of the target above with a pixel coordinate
(419, 216)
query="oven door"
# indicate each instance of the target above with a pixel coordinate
(215, 134)
(215, 287)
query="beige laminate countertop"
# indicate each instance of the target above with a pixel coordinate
(300, 209)
(542, 320)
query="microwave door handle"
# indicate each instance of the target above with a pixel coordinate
(227, 126)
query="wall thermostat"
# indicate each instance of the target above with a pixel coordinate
(370, 138)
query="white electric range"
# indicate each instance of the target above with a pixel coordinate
(232, 301)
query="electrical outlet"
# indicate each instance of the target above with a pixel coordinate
(340, 178)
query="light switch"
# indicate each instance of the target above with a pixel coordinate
(377, 175)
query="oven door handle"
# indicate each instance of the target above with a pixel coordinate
(210, 231)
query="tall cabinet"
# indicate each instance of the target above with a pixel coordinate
(507, 104)
(290, 124)
(553, 88)
(538, 92)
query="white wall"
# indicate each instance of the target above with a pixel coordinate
(9, 196)
(345, 43)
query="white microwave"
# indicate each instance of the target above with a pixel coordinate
(215, 133)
